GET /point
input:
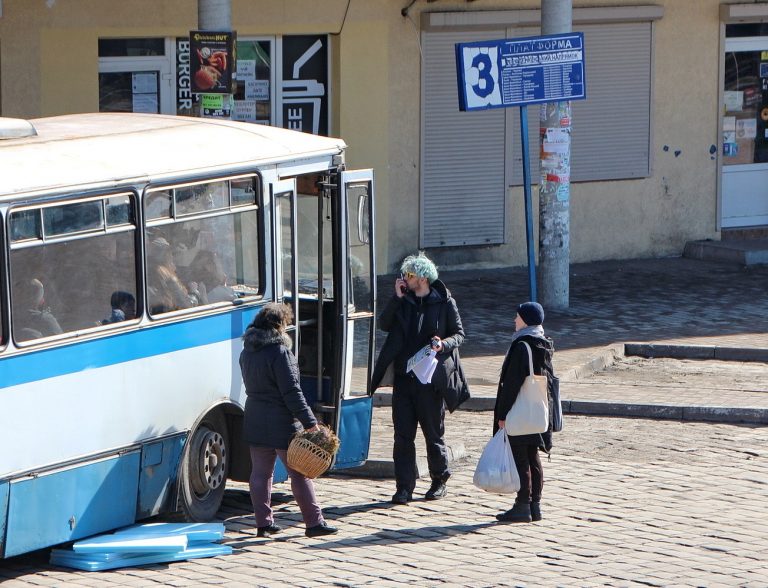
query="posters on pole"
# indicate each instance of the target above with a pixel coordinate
(212, 61)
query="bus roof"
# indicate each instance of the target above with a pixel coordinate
(101, 149)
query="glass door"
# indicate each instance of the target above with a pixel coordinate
(358, 292)
(284, 197)
(745, 130)
(361, 280)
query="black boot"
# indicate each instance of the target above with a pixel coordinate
(402, 496)
(436, 490)
(535, 511)
(519, 513)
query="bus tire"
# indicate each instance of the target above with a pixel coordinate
(204, 470)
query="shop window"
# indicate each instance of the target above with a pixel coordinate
(255, 82)
(131, 47)
(745, 95)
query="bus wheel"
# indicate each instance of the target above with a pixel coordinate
(204, 470)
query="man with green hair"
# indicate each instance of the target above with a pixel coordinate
(421, 312)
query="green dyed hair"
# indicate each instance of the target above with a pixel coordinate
(420, 265)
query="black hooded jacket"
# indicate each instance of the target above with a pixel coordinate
(514, 370)
(276, 407)
(437, 315)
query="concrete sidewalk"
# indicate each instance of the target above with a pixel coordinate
(672, 307)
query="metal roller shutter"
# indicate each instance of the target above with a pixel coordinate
(462, 160)
(611, 128)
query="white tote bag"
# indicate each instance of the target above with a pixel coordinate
(530, 412)
(496, 471)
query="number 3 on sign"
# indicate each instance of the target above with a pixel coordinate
(481, 75)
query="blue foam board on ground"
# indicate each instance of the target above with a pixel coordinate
(111, 561)
(132, 543)
(193, 531)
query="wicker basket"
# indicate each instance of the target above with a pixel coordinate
(307, 458)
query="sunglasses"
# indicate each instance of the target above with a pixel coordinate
(409, 275)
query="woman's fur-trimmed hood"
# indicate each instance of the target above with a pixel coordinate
(255, 338)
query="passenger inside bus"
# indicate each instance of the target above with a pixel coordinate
(123, 307)
(31, 318)
(207, 271)
(165, 289)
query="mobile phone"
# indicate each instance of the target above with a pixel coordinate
(403, 284)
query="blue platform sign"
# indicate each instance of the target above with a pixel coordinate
(517, 72)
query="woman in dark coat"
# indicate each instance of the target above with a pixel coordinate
(525, 448)
(275, 410)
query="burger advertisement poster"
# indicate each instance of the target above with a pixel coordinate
(212, 61)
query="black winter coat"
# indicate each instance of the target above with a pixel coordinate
(514, 370)
(441, 318)
(275, 408)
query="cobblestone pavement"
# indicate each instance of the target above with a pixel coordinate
(626, 503)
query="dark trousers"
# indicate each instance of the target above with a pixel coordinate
(262, 470)
(530, 471)
(414, 403)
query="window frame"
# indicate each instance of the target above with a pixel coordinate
(173, 218)
(62, 200)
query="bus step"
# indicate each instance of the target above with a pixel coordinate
(324, 408)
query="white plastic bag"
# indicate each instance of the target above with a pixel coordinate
(496, 471)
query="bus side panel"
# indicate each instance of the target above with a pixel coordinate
(354, 432)
(71, 504)
(159, 465)
(4, 490)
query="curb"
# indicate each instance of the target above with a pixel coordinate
(709, 414)
(652, 350)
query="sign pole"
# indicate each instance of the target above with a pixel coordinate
(519, 72)
(528, 204)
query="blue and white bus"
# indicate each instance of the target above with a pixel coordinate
(136, 249)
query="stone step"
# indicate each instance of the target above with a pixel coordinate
(740, 251)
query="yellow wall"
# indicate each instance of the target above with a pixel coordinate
(50, 64)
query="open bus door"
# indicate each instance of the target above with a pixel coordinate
(357, 291)
(325, 270)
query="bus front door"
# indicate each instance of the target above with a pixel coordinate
(358, 292)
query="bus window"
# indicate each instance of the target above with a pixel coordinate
(70, 219)
(76, 274)
(243, 193)
(157, 204)
(206, 259)
(202, 197)
(310, 203)
(360, 280)
(26, 225)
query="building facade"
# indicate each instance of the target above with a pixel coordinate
(671, 144)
